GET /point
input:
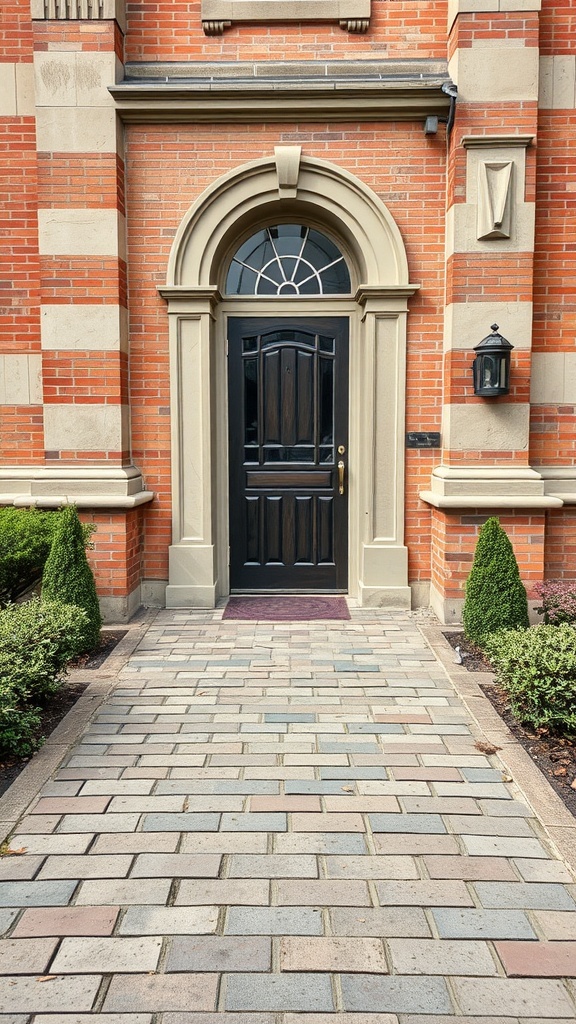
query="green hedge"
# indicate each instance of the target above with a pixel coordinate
(26, 536)
(36, 641)
(25, 540)
(537, 669)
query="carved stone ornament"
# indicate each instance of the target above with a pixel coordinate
(351, 15)
(215, 28)
(77, 10)
(288, 170)
(355, 24)
(494, 199)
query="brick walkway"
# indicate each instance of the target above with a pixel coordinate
(283, 824)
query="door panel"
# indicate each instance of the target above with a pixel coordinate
(288, 393)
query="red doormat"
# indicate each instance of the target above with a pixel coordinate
(286, 609)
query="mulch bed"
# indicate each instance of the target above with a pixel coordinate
(61, 702)
(555, 756)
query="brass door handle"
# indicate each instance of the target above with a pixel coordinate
(341, 477)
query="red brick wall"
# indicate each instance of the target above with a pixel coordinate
(454, 539)
(164, 30)
(163, 181)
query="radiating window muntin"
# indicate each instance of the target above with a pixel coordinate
(288, 260)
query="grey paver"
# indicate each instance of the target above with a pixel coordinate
(7, 918)
(309, 992)
(372, 993)
(36, 894)
(146, 920)
(26, 956)
(62, 994)
(231, 891)
(14, 869)
(430, 956)
(379, 921)
(272, 822)
(273, 866)
(185, 822)
(329, 953)
(220, 954)
(320, 842)
(525, 895)
(123, 891)
(514, 996)
(181, 865)
(129, 993)
(86, 867)
(88, 1018)
(273, 921)
(424, 893)
(107, 955)
(482, 924)
(427, 823)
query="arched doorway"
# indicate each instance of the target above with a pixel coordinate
(207, 309)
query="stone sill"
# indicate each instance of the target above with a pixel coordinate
(518, 501)
(80, 500)
(86, 487)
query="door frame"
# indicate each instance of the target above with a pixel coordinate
(340, 327)
(332, 199)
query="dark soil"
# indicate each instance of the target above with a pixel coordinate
(555, 756)
(473, 658)
(108, 640)
(61, 703)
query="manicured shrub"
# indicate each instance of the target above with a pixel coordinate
(18, 726)
(558, 601)
(67, 576)
(495, 596)
(537, 669)
(26, 536)
(36, 642)
(37, 639)
(25, 540)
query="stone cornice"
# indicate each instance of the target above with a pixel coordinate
(276, 90)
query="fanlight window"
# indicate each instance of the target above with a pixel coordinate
(288, 259)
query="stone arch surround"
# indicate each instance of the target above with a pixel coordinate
(317, 192)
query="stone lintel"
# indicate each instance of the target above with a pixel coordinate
(496, 141)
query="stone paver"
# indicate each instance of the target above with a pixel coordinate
(276, 823)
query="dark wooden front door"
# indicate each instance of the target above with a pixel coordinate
(288, 388)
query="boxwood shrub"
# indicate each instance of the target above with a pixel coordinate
(537, 669)
(495, 595)
(37, 640)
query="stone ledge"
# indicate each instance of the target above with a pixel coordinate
(44, 487)
(490, 501)
(369, 91)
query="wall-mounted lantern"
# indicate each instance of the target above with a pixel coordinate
(491, 367)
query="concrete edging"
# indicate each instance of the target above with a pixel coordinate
(25, 788)
(558, 824)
